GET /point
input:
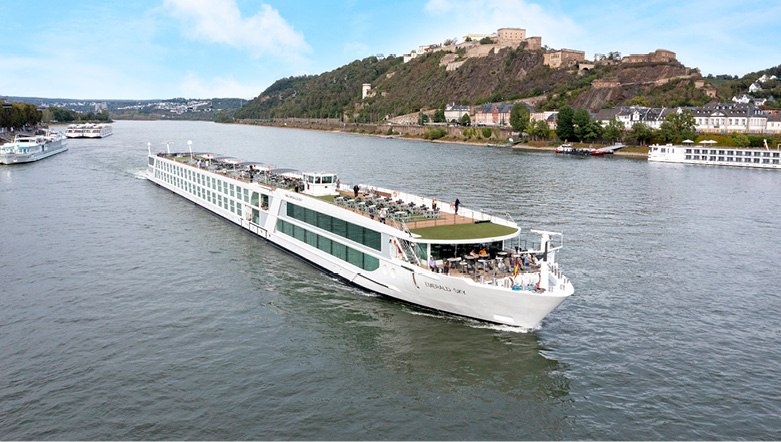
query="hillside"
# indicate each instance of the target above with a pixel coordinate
(503, 75)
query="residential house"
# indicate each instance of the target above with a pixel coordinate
(455, 112)
(730, 117)
(493, 114)
(774, 124)
(742, 98)
(629, 115)
(547, 116)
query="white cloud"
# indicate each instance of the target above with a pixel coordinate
(193, 85)
(220, 21)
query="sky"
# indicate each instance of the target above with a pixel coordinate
(157, 49)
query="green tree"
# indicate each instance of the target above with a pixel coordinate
(422, 118)
(222, 117)
(439, 116)
(740, 140)
(581, 121)
(614, 129)
(677, 126)
(640, 132)
(465, 120)
(639, 100)
(540, 129)
(565, 128)
(519, 117)
(486, 132)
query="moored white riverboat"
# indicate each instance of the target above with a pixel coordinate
(89, 130)
(423, 253)
(711, 155)
(33, 148)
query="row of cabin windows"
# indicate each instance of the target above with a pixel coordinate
(353, 232)
(204, 193)
(219, 185)
(333, 248)
(737, 153)
(731, 159)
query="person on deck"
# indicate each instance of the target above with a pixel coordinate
(432, 264)
(383, 214)
(355, 190)
(483, 252)
(456, 204)
(434, 204)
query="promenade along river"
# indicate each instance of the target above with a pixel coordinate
(129, 313)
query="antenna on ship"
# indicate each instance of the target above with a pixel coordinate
(149, 148)
(190, 145)
(168, 147)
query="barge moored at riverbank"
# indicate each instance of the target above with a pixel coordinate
(442, 257)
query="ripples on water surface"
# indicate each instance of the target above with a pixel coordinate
(129, 313)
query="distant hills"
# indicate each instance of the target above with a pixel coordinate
(174, 108)
(504, 75)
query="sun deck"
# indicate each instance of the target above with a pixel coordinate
(406, 212)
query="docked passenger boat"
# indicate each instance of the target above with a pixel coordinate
(443, 257)
(89, 130)
(33, 148)
(709, 154)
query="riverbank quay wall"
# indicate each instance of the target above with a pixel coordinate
(333, 124)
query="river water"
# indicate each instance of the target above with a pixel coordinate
(129, 313)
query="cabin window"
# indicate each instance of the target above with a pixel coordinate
(311, 238)
(328, 179)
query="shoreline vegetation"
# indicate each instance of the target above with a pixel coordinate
(395, 131)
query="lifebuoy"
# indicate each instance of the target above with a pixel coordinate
(395, 194)
(453, 206)
(397, 246)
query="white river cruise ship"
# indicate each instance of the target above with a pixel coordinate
(447, 258)
(89, 131)
(709, 154)
(28, 149)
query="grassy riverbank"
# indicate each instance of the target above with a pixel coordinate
(394, 132)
